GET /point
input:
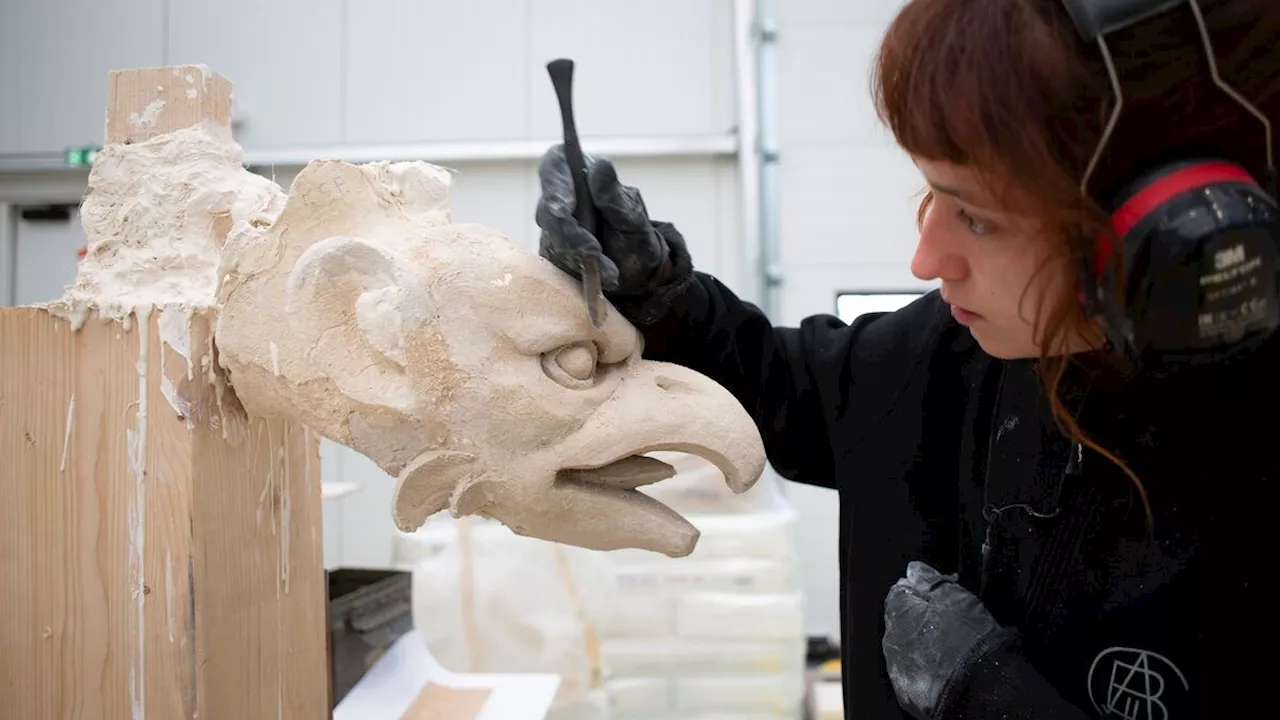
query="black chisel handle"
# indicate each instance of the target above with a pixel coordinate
(561, 72)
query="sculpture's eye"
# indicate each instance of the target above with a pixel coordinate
(573, 366)
(579, 361)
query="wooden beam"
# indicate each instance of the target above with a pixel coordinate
(147, 102)
(160, 551)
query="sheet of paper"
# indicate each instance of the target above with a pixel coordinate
(408, 684)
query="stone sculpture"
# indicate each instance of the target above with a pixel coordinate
(462, 364)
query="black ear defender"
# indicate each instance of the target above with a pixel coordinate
(1199, 237)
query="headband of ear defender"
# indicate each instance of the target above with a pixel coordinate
(1199, 237)
(1095, 18)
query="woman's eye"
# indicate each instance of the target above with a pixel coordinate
(975, 225)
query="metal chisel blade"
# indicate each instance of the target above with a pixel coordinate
(592, 292)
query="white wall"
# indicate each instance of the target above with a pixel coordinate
(324, 72)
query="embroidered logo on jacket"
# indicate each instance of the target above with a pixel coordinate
(1135, 684)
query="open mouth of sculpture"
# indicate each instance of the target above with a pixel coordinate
(627, 473)
(637, 469)
(622, 446)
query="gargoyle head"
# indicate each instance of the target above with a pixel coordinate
(463, 364)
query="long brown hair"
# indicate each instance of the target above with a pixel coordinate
(1010, 89)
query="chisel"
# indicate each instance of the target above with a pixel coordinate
(561, 72)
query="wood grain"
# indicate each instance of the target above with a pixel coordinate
(227, 617)
(161, 552)
(145, 102)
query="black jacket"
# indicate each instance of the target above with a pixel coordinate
(919, 431)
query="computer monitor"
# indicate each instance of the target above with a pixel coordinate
(849, 305)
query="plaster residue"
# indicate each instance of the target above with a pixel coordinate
(174, 328)
(66, 433)
(137, 447)
(156, 214)
(180, 404)
(148, 117)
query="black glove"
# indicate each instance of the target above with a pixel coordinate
(641, 262)
(934, 629)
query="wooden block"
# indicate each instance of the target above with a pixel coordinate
(151, 101)
(161, 552)
(156, 564)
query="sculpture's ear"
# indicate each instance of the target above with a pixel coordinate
(347, 278)
(473, 496)
(426, 486)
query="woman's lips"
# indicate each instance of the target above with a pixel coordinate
(964, 317)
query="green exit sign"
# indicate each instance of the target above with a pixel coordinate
(81, 157)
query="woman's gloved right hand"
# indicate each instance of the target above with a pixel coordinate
(642, 262)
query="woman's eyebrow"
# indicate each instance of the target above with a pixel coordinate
(961, 195)
(956, 193)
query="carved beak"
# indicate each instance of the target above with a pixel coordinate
(656, 407)
(660, 406)
(592, 501)
(589, 497)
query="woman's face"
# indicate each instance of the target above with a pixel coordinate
(996, 268)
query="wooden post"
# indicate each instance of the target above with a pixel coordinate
(159, 559)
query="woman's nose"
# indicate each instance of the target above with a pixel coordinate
(937, 256)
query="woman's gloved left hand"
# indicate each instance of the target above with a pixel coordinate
(933, 629)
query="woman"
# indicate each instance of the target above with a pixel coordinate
(1036, 519)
